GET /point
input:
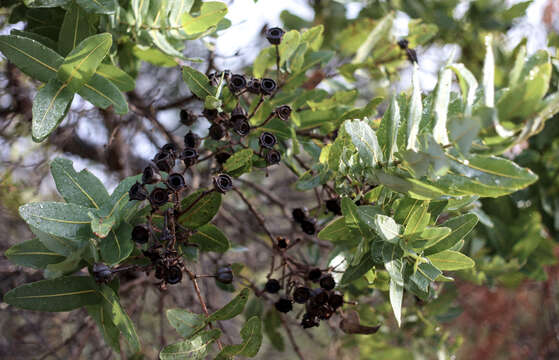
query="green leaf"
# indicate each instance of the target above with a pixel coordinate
(450, 260)
(417, 219)
(70, 265)
(239, 163)
(49, 108)
(334, 230)
(81, 188)
(185, 322)
(354, 272)
(251, 333)
(379, 33)
(82, 62)
(468, 86)
(272, 322)
(211, 13)
(365, 140)
(288, 45)
(74, 29)
(460, 226)
(68, 221)
(118, 244)
(202, 206)
(32, 253)
(176, 9)
(423, 275)
(154, 56)
(415, 111)
(193, 349)
(115, 312)
(198, 83)
(210, 238)
(265, 59)
(488, 81)
(122, 80)
(62, 294)
(387, 228)
(46, 41)
(396, 293)
(103, 93)
(388, 131)
(231, 309)
(31, 57)
(392, 258)
(98, 6)
(440, 107)
(108, 329)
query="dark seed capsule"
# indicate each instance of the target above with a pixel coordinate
(191, 140)
(140, 234)
(327, 282)
(324, 312)
(301, 294)
(284, 305)
(173, 275)
(189, 156)
(241, 127)
(238, 113)
(222, 157)
(319, 297)
(308, 226)
(164, 161)
(159, 270)
(237, 83)
(300, 214)
(308, 321)
(224, 275)
(102, 273)
(282, 243)
(223, 183)
(283, 112)
(170, 149)
(274, 35)
(254, 86)
(273, 157)
(158, 197)
(334, 206)
(176, 182)
(137, 192)
(267, 86)
(187, 118)
(217, 132)
(210, 114)
(403, 44)
(412, 56)
(336, 300)
(272, 286)
(314, 275)
(152, 254)
(267, 140)
(150, 176)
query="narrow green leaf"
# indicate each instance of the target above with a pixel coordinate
(211, 13)
(379, 33)
(81, 188)
(239, 163)
(210, 238)
(32, 253)
(48, 42)
(396, 296)
(154, 56)
(365, 140)
(193, 349)
(98, 6)
(122, 80)
(265, 59)
(101, 225)
(62, 294)
(489, 74)
(115, 312)
(176, 9)
(468, 86)
(387, 228)
(185, 322)
(70, 265)
(251, 333)
(460, 226)
(202, 206)
(354, 272)
(49, 108)
(415, 111)
(272, 322)
(450, 260)
(388, 131)
(118, 244)
(288, 45)
(108, 329)
(82, 62)
(103, 93)
(75, 28)
(231, 309)
(518, 66)
(442, 99)
(198, 83)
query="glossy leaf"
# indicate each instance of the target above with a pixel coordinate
(396, 294)
(62, 294)
(82, 62)
(442, 99)
(32, 253)
(107, 328)
(202, 206)
(49, 108)
(211, 13)
(272, 322)
(103, 93)
(118, 244)
(115, 312)
(210, 238)
(365, 140)
(387, 228)
(239, 163)
(288, 45)
(379, 32)
(121, 79)
(460, 226)
(98, 6)
(450, 260)
(198, 83)
(81, 188)
(388, 131)
(354, 272)
(185, 322)
(194, 349)
(415, 111)
(232, 308)
(251, 333)
(75, 28)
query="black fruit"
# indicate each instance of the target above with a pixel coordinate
(140, 234)
(300, 214)
(224, 275)
(254, 86)
(238, 113)
(327, 282)
(403, 44)
(150, 176)
(210, 114)
(222, 157)
(223, 183)
(159, 197)
(176, 182)
(319, 297)
(284, 305)
(173, 275)
(324, 312)
(189, 156)
(102, 273)
(273, 157)
(272, 286)
(170, 149)
(137, 192)
(217, 132)
(187, 118)
(274, 35)
(191, 140)
(283, 112)
(308, 226)
(237, 83)
(334, 206)
(336, 300)
(282, 243)
(314, 275)
(241, 127)
(308, 321)
(164, 161)
(267, 86)
(301, 294)
(267, 140)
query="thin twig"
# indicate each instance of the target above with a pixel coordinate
(291, 338)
